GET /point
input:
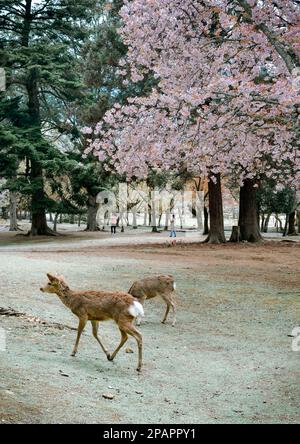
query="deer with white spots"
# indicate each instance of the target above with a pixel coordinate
(97, 306)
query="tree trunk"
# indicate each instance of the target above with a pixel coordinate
(206, 221)
(298, 221)
(153, 215)
(199, 217)
(292, 224)
(55, 222)
(159, 219)
(92, 214)
(145, 216)
(39, 225)
(278, 223)
(167, 220)
(266, 223)
(263, 219)
(286, 225)
(235, 235)
(134, 218)
(13, 223)
(248, 220)
(216, 233)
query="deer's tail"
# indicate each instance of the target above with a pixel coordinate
(136, 309)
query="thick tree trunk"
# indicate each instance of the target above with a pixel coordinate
(298, 221)
(216, 232)
(13, 223)
(292, 224)
(92, 214)
(248, 220)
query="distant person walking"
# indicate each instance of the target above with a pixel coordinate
(113, 224)
(172, 227)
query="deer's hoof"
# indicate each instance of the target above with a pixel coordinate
(110, 358)
(73, 355)
(139, 369)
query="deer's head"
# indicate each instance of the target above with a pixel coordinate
(56, 284)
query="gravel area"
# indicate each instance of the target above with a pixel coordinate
(229, 358)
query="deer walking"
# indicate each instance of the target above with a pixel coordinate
(151, 287)
(98, 306)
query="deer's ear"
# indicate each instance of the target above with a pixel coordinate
(61, 278)
(51, 277)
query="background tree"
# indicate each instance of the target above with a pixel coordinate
(225, 101)
(39, 42)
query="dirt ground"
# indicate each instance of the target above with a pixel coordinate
(229, 358)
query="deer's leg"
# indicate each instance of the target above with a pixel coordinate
(82, 324)
(132, 331)
(170, 303)
(124, 338)
(174, 313)
(95, 326)
(167, 312)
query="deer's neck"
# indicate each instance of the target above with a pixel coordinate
(66, 296)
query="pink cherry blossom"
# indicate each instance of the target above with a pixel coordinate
(227, 99)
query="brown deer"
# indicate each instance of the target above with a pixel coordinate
(151, 287)
(98, 306)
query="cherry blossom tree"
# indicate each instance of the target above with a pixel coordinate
(226, 100)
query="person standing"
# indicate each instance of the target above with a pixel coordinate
(113, 224)
(172, 227)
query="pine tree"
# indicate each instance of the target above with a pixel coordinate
(39, 49)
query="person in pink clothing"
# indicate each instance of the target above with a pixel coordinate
(113, 224)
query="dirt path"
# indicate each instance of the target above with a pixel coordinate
(229, 359)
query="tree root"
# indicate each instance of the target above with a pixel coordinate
(10, 312)
(47, 232)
